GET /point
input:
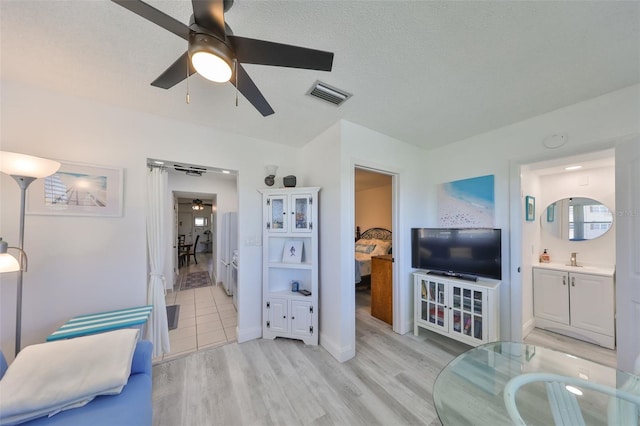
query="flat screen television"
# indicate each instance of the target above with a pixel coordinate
(464, 253)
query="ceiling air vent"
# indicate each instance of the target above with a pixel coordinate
(327, 93)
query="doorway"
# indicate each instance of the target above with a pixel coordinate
(575, 200)
(206, 315)
(373, 234)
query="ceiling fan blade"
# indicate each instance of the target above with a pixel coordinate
(157, 17)
(251, 51)
(209, 14)
(248, 88)
(175, 73)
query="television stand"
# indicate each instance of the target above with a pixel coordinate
(462, 310)
(450, 274)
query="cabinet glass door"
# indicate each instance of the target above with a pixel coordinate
(277, 211)
(301, 213)
(434, 305)
(467, 312)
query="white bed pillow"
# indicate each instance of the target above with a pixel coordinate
(365, 248)
(382, 247)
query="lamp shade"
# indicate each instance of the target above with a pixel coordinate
(15, 164)
(8, 263)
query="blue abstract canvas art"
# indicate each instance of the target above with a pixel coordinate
(467, 203)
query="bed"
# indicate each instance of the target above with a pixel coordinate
(372, 242)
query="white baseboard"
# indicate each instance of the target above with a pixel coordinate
(528, 327)
(245, 335)
(339, 353)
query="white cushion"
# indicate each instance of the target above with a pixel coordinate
(50, 377)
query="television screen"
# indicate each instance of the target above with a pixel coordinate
(468, 252)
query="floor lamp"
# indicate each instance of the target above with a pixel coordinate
(24, 169)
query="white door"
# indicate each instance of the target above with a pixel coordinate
(278, 219)
(301, 220)
(551, 295)
(301, 318)
(434, 307)
(184, 226)
(592, 304)
(628, 252)
(277, 320)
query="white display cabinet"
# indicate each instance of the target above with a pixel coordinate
(290, 255)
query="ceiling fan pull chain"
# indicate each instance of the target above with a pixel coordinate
(188, 98)
(235, 70)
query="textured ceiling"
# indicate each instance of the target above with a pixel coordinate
(425, 72)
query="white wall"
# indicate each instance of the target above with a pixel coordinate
(330, 160)
(597, 184)
(530, 244)
(591, 125)
(86, 264)
(373, 207)
(80, 265)
(321, 161)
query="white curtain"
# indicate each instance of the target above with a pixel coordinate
(157, 327)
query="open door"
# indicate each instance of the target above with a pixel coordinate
(628, 253)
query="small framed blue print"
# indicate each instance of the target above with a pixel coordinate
(530, 208)
(551, 212)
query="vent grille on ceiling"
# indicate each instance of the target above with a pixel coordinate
(328, 93)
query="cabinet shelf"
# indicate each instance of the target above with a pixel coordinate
(290, 294)
(290, 265)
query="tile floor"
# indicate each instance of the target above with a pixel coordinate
(207, 316)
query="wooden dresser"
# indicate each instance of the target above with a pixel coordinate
(382, 288)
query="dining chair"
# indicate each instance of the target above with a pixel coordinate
(183, 250)
(192, 251)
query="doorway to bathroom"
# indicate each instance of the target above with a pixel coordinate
(570, 235)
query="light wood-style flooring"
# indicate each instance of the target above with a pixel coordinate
(285, 382)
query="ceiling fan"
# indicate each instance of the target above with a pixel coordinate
(216, 54)
(198, 205)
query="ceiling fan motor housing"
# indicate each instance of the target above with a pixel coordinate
(199, 42)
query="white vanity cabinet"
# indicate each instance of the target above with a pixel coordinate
(578, 304)
(463, 310)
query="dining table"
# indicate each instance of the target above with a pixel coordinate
(513, 383)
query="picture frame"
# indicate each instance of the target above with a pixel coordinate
(530, 208)
(78, 189)
(292, 252)
(551, 212)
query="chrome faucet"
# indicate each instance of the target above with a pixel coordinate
(574, 260)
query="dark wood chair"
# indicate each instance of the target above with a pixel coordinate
(183, 250)
(192, 251)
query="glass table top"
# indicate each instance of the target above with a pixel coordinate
(506, 383)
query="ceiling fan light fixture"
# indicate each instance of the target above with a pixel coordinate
(197, 205)
(211, 58)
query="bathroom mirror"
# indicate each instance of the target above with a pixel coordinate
(576, 219)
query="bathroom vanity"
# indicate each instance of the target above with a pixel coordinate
(576, 301)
